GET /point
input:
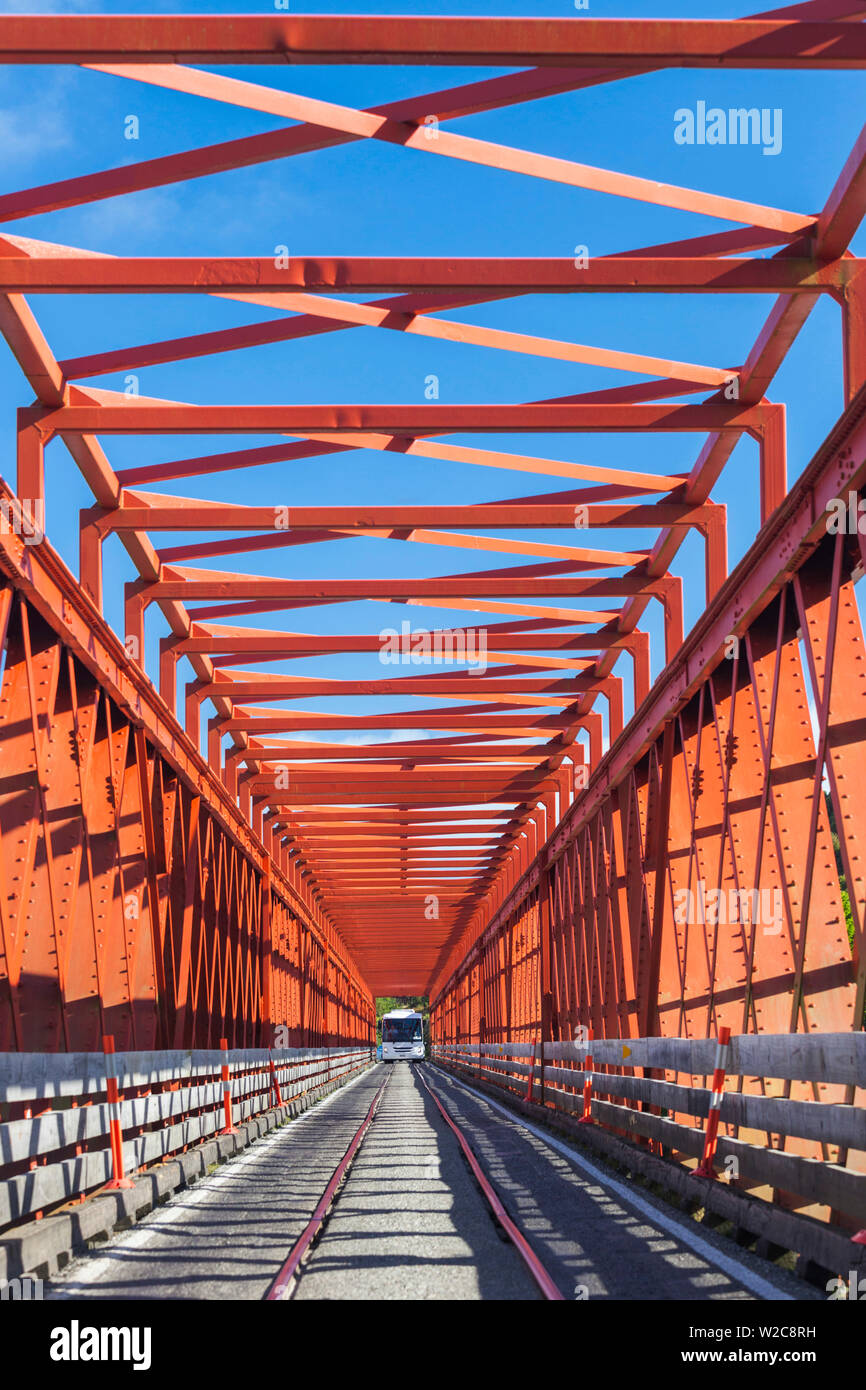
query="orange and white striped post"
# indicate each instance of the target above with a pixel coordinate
(115, 1131)
(227, 1090)
(586, 1117)
(275, 1083)
(705, 1168)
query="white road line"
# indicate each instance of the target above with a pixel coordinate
(745, 1276)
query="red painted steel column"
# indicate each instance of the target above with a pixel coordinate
(853, 300)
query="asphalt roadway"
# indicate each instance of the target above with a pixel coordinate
(410, 1221)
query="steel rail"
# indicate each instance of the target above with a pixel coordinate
(281, 1288)
(518, 1240)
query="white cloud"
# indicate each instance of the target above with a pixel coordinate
(29, 131)
(381, 736)
(151, 211)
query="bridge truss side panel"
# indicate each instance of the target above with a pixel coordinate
(134, 900)
(712, 871)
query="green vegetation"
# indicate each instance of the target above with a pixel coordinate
(840, 870)
(849, 917)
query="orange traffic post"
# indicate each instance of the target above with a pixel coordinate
(275, 1084)
(586, 1117)
(705, 1168)
(115, 1131)
(228, 1128)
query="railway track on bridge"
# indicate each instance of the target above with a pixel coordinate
(286, 1281)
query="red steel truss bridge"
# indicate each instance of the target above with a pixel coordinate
(200, 840)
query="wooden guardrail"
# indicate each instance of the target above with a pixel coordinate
(838, 1058)
(55, 1115)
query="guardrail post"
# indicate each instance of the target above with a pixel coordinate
(531, 1076)
(227, 1089)
(705, 1168)
(275, 1084)
(586, 1117)
(114, 1126)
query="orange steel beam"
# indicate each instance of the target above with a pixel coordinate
(366, 125)
(478, 96)
(143, 417)
(493, 42)
(71, 274)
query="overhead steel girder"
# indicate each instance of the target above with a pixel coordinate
(475, 42)
(184, 516)
(258, 276)
(230, 643)
(147, 418)
(175, 582)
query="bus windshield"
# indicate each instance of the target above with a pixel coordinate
(401, 1030)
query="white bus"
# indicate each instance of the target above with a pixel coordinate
(402, 1036)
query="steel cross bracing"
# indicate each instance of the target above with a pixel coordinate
(418, 864)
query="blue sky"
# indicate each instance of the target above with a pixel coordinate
(375, 199)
